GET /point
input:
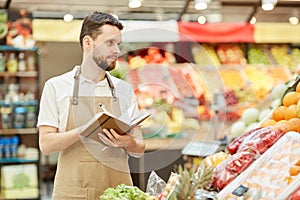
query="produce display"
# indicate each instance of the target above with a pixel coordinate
(185, 183)
(124, 192)
(262, 153)
(272, 175)
(256, 55)
(253, 117)
(296, 55)
(232, 78)
(281, 54)
(279, 74)
(288, 112)
(260, 82)
(230, 54)
(237, 172)
(244, 151)
(205, 54)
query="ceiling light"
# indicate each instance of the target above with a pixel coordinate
(294, 20)
(201, 4)
(267, 5)
(253, 20)
(201, 19)
(134, 3)
(68, 17)
(294, 17)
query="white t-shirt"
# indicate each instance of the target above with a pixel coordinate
(55, 99)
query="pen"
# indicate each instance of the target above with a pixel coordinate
(103, 107)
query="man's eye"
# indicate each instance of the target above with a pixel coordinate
(110, 43)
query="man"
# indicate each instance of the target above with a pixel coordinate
(85, 167)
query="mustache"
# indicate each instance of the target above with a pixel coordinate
(106, 67)
(114, 57)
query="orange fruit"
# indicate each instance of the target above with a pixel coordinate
(291, 112)
(288, 179)
(278, 113)
(283, 125)
(298, 87)
(294, 124)
(268, 122)
(297, 163)
(290, 98)
(294, 170)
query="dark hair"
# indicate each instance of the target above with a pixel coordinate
(93, 22)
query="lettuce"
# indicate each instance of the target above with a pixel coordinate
(124, 192)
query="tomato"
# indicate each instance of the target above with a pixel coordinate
(234, 145)
(223, 178)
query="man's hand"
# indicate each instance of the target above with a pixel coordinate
(132, 142)
(112, 138)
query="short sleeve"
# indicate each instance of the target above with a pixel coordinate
(48, 112)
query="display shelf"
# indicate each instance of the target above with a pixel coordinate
(19, 74)
(18, 131)
(3, 198)
(273, 168)
(11, 48)
(17, 160)
(19, 80)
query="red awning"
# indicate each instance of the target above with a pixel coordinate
(237, 32)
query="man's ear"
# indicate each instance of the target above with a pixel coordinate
(87, 42)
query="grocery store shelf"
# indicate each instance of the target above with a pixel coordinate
(17, 160)
(11, 48)
(19, 74)
(18, 131)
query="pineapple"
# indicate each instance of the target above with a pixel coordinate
(189, 182)
(204, 176)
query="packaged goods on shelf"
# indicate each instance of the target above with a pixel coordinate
(19, 181)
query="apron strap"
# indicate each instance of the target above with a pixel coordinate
(112, 87)
(76, 87)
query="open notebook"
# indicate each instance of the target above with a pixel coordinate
(105, 120)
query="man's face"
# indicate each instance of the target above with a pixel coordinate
(106, 47)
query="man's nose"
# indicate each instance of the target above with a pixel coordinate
(116, 50)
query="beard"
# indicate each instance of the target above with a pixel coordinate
(104, 65)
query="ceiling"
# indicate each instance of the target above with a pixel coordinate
(181, 10)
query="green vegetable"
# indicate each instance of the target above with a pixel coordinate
(124, 192)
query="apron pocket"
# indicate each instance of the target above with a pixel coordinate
(70, 193)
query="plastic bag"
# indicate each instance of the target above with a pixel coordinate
(231, 167)
(156, 185)
(261, 140)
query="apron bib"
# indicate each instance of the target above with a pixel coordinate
(87, 168)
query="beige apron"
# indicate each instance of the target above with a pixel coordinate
(87, 168)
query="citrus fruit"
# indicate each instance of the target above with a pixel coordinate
(291, 112)
(283, 125)
(298, 87)
(294, 170)
(268, 122)
(290, 98)
(278, 113)
(294, 124)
